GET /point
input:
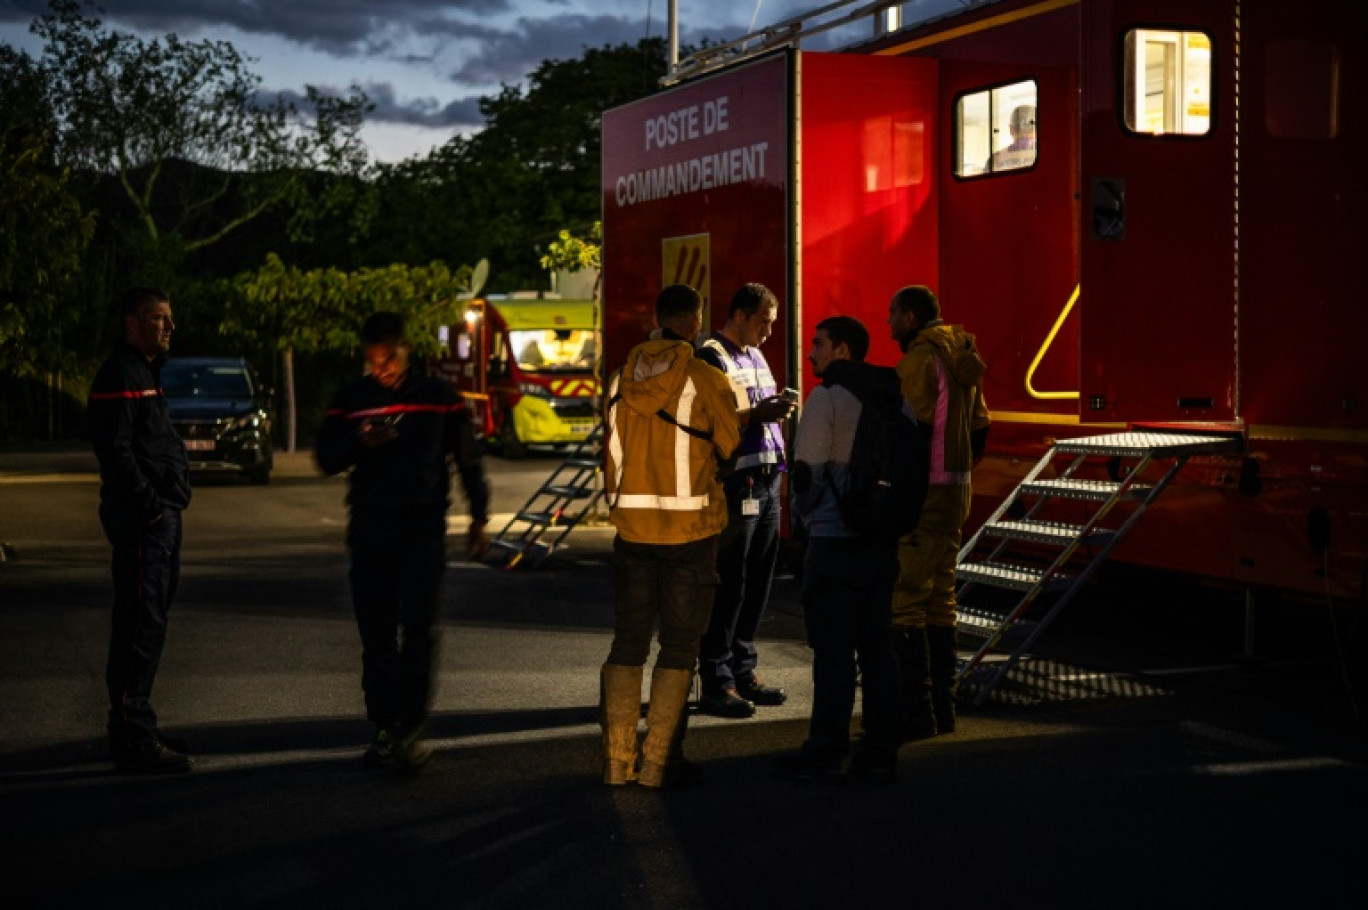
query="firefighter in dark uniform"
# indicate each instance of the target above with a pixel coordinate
(144, 486)
(394, 429)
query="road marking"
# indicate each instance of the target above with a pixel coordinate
(1240, 769)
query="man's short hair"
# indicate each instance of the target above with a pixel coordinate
(849, 331)
(920, 301)
(750, 297)
(677, 300)
(383, 328)
(134, 299)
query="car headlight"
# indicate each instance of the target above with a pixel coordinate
(244, 422)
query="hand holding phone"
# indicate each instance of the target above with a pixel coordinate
(379, 430)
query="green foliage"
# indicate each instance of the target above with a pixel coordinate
(508, 190)
(43, 230)
(573, 253)
(321, 310)
(130, 107)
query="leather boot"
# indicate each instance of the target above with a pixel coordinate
(914, 669)
(619, 711)
(662, 754)
(940, 648)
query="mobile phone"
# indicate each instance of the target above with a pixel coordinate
(789, 395)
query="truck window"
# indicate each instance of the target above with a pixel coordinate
(550, 350)
(995, 130)
(1167, 82)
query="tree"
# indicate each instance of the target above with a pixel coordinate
(318, 310)
(43, 230)
(133, 108)
(534, 169)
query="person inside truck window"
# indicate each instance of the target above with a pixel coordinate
(531, 355)
(1021, 152)
(586, 354)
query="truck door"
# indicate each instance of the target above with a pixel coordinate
(1159, 290)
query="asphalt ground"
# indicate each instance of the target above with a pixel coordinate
(1157, 750)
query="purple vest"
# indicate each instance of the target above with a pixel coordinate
(752, 381)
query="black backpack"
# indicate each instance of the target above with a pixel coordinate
(889, 469)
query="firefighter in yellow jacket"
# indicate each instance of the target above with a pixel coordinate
(941, 374)
(670, 419)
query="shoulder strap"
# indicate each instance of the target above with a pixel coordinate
(669, 418)
(692, 431)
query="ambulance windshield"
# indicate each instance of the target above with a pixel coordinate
(553, 350)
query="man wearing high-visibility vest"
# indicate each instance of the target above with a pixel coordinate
(671, 419)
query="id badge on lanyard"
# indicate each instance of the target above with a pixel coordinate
(750, 506)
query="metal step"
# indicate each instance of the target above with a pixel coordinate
(1073, 488)
(1136, 444)
(978, 623)
(549, 519)
(1046, 532)
(594, 463)
(1003, 575)
(565, 491)
(519, 546)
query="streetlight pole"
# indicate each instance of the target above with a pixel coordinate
(673, 28)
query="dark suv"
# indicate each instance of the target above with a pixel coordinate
(222, 413)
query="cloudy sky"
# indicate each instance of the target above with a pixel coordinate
(424, 63)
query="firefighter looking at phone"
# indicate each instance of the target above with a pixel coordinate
(393, 430)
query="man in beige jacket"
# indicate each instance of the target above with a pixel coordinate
(941, 374)
(671, 418)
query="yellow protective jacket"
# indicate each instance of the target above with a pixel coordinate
(661, 480)
(941, 375)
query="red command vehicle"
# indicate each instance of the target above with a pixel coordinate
(1148, 211)
(526, 368)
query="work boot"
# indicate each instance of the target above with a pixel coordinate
(662, 753)
(914, 669)
(726, 703)
(411, 750)
(619, 711)
(380, 753)
(144, 753)
(944, 664)
(756, 692)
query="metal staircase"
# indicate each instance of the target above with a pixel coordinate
(1024, 518)
(562, 502)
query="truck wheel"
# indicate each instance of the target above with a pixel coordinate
(510, 446)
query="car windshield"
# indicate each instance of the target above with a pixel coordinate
(187, 381)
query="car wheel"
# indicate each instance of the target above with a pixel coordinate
(263, 473)
(510, 446)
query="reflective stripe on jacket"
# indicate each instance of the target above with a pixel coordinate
(671, 418)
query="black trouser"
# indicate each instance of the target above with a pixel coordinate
(847, 600)
(746, 554)
(672, 583)
(146, 570)
(396, 583)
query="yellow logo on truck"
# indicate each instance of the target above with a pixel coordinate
(688, 260)
(573, 388)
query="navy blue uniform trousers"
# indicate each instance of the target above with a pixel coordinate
(396, 583)
(146, 570)
(746, 554)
